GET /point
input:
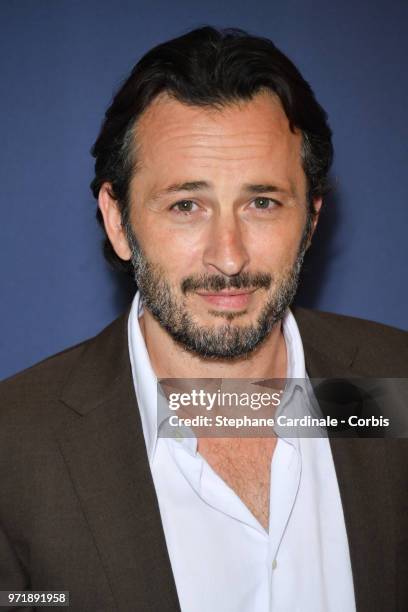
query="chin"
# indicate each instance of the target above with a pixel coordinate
(232, 316)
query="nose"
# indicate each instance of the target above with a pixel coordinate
(225, 250)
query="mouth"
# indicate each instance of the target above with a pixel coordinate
(229, 299)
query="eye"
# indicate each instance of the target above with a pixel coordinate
(184, 206)
(265, 203)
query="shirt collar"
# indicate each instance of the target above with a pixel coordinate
(294, 348)
(145, 380)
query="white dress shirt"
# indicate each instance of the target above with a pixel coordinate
(222, 558)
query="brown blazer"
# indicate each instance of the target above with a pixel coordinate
(78, 509)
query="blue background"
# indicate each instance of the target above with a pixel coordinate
(61, 61)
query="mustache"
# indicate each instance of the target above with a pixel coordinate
(217, 282)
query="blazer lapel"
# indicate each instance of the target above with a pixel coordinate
(104, 448)
(362, 471)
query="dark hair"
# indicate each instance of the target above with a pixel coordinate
(207, 67)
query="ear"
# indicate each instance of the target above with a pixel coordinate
(317, 205)
(113, 222)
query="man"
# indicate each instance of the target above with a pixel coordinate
(211, 167)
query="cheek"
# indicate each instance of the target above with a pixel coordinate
(177, 251)
(277, 245)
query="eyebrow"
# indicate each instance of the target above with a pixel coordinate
(262, 188)
(250, 188)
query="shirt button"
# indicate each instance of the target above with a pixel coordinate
(274, 564)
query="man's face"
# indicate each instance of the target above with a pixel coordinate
(218, 221)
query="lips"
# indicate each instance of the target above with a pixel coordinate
(228, 298)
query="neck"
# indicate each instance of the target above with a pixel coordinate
(170, 360)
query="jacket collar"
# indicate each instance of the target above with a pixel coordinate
(326, 355)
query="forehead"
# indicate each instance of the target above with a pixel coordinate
(176, 138)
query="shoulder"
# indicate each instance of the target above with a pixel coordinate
(360, 329)
(43, 378)
(38, 388)
(377, 349)
(43, 403)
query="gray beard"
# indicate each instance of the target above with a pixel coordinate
(227, 341)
